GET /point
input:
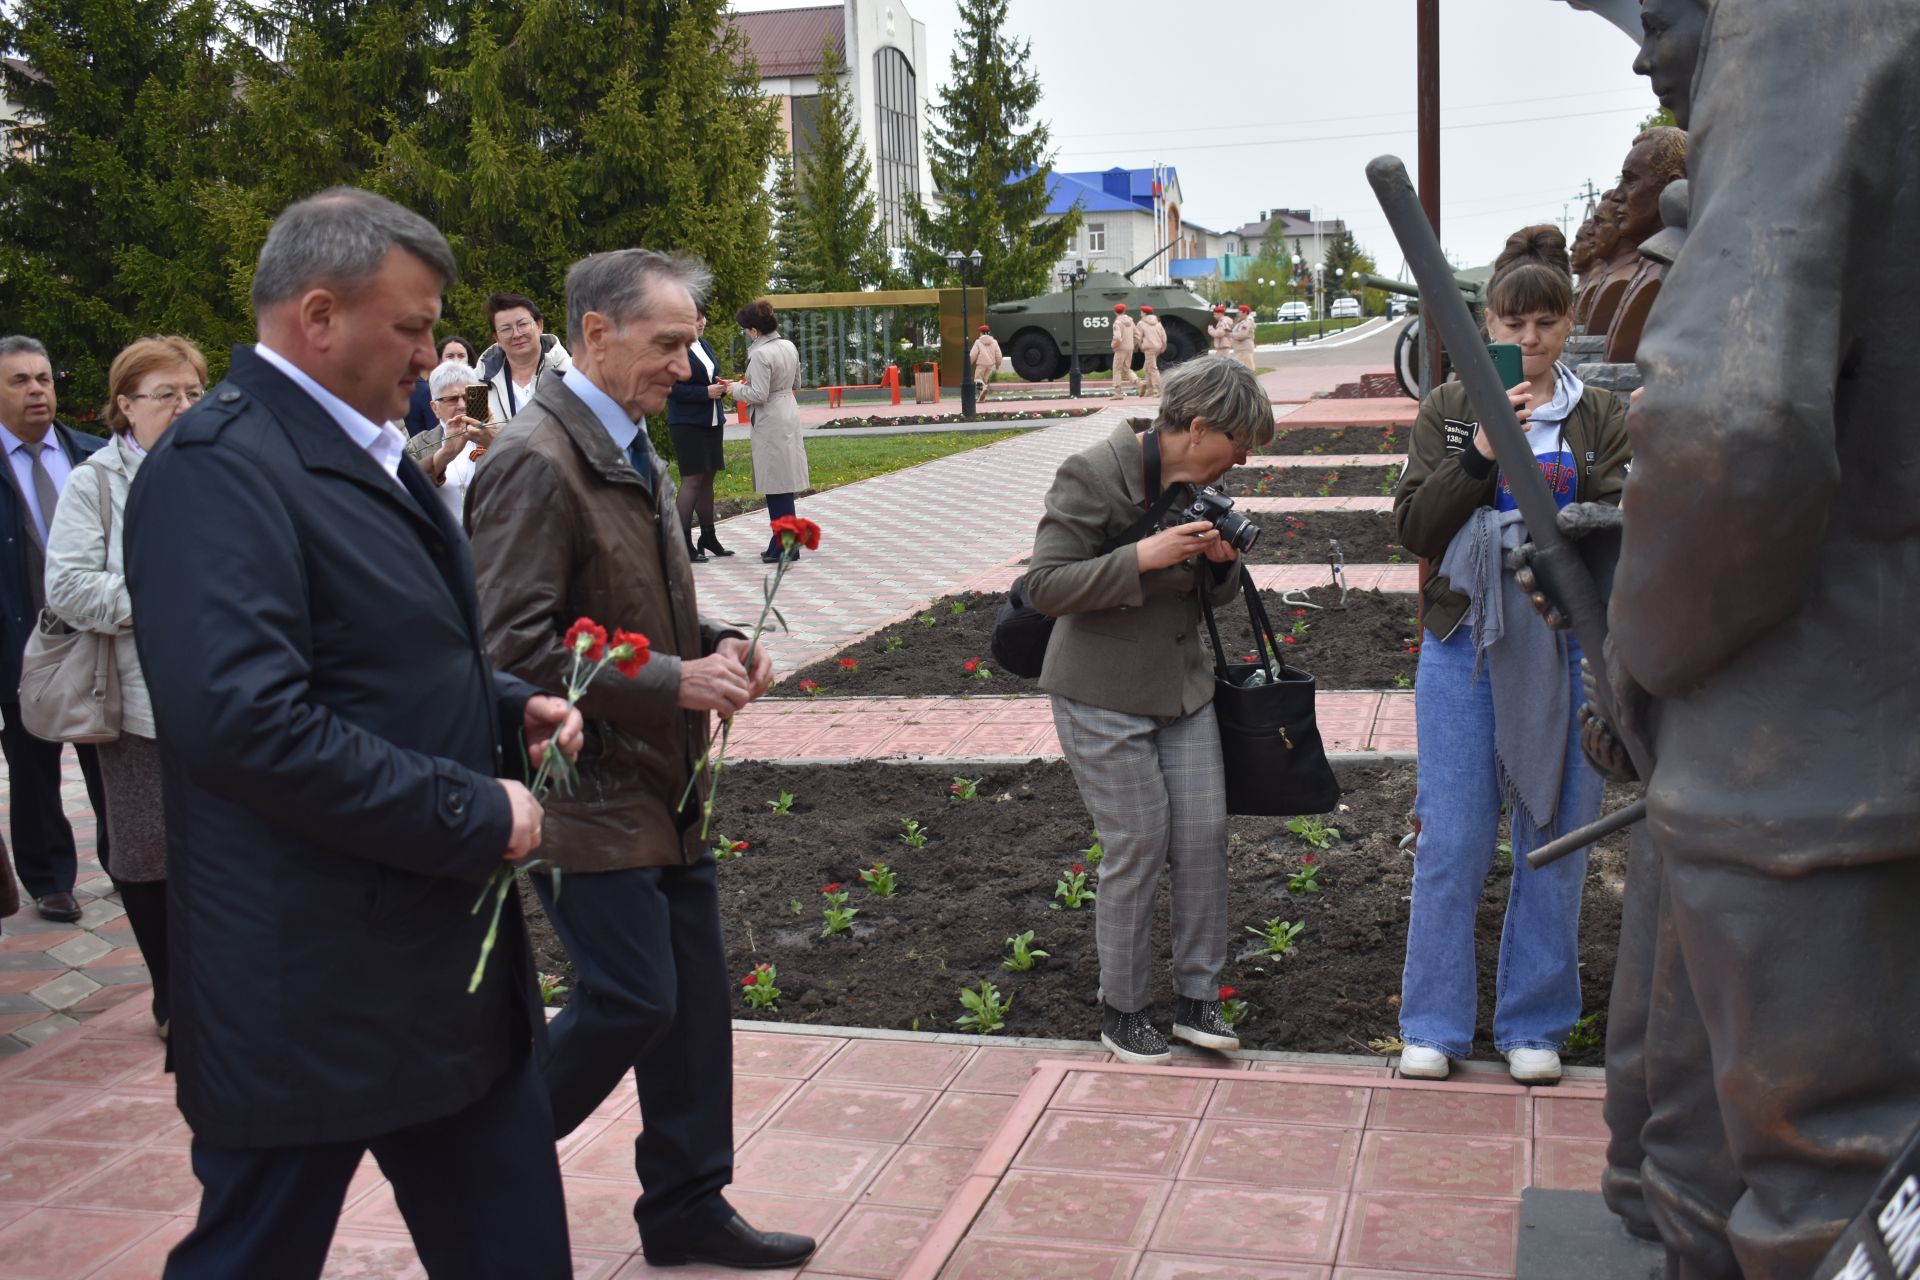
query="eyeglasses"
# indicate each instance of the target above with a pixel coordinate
(457, 398)
(170, 395)
(508, 330)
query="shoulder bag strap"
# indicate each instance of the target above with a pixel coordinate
(1158, 502)
(1265, 640)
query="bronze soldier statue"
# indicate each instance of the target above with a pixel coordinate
(1658, 159)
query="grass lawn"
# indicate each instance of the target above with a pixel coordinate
(841, 460)
(1266, 333)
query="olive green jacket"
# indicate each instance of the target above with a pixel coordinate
(1446, 479)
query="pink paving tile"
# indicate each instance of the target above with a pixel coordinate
(1569, 1118)
(1261, 1222)
(1458, 1110)
(118, 957)
(769, 1054)
(28, 1106)
(36, 941)
(33, 1169)
(1442, 1163)
(873, 1240)
(596, 1264)
(1368, 1273)
(1072, 1208)
(1132, 1093)
(112, 997)
(1471, 1237)
(757, 1097)
(58, 1243)
(1379, 1071)
(1272, 1155)
(808, 1215)
(637, 1269)
(608, 1154)
(1568, 1164)
(1088, 1142)
(963, 1119)
(366, 1256)
(1179, 1266)
(87, 1060)
(998, 1260)
(806, 1165)
(874, 1112)
(153, 1181)
(118, 1119)
(922, 1177)
(1007, 1071)
(12, 1022)
(25, 980)
(146, 1260)
(378, 1211)
(600, 1213)
(927, 1066)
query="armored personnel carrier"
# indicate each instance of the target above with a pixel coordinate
(1036, 333)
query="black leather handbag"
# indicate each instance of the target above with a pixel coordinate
(1270, 743)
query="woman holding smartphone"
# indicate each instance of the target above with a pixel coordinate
(1498, 690)
(464, 437)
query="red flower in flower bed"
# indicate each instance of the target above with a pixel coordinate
(809, 687)
(970, 666)
(1286, 639)
(1228, 993)
(1078, 869)
(1310, 859)
(1299, 613)
(830, 888)
(750, 979)
(805, 533)
(639, 650)
(849, 664)
(587, 638)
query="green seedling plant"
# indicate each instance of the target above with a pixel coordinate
(973, 667)
(957, 608)
(928, 620)
(1314, 831)
(551, 988)
(1585, 1034)
(782, 805)
(793, 905)
(725, 850)
(1307, 878)
(1093, 852)
(1072, 891)
(879, 878)
(964, 789)
(1278, 934)
(758, 989)
(894, 644)
(985, 1012)
(912, 834)
(1505, 850)
(1402, 681)
(1233, 1010)
(838, 915)
(1326, 484)
(1023, 954)
(1391, 483)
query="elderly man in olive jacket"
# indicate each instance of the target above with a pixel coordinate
(572, 515)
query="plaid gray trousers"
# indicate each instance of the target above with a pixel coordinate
(1158, 797)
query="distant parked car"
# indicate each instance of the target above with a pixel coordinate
(1345, 309)
(1399, 306)
(1294, 312)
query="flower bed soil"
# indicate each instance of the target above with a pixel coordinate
(1306, 482)
(988, 872)
(1359, 647)
(1365, 537)
(1309, 440)
(948, 419)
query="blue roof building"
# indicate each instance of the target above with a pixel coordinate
(1126, 216)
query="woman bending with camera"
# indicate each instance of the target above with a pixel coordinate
(1498, 691)
(1132, 690)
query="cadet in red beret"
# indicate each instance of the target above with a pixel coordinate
(986, 361)
(1122, 344)
(1153, 341)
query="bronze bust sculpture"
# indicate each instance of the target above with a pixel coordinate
(1658, 159)
(1606, 252)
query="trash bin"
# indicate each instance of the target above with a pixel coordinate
(926, 383)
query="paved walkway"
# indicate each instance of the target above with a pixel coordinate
(903, 1154)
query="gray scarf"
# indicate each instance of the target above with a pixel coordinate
(1526, 664)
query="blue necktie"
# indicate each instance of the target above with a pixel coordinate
(640, 453)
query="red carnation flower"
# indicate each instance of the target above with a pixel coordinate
(1299, 613)
(588, 639)
(1228, 993)
(1310, 859)
(1286, 639)
(805, 533)
(636, 648)
(849, 664)
(1078, 869)
(970, 666)
(750, 979)
(830, 888)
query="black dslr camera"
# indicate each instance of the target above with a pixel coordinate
(1216, 508)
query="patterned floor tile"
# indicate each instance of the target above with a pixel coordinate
(805, 1215)
(1402, 1232)
(922, 1177)
(1289, 1102)
(117, 1119)
(147, 1259)
(767, 1054)
(357, 1256)
(151, 1181)
(637, 1269)
(1271, 1155)
(55, 1244)
(757, 1097)
(964, 1119)
(1008, 1070)
(1000, 1260)
(1568, 1164)
(874, 1241)
(600, 1212)
(88, 1061)
(34, 1169)
(1450, 1111)
(873, 1112)
(1260, 1222)
(1134, 1093)
(608, 1154)
(802, 1164)
(1149, 1146)
(897, 1062)
(1072, 1208)
(1178, 1266)
(1443, 1164)
(1569, 1118)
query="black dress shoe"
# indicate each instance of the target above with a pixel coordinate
(710, 543)
(735, 1244)
(58, 906)
(696, 555)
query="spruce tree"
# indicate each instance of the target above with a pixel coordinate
(991, 161)
(111, 182)
(791, 272)
(843, 245)
(1345, 254)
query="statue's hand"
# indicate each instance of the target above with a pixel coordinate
(1576, 521)
(1598, 741)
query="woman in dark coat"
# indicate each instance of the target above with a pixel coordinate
(697, 419)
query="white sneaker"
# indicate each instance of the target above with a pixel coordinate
(1533, 1066)
(1417, 1062)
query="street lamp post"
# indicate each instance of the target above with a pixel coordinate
(1073, 280)
(960, 264)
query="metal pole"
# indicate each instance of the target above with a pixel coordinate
(1428, 25)
(966, 351)
(1073, 337)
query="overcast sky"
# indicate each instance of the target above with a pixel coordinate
(1258, 103)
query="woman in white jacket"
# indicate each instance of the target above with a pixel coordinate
(149, 384)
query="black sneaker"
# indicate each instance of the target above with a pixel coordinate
(1199, 1022)
(1132, 1037)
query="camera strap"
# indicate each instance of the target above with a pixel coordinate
(1159, 501)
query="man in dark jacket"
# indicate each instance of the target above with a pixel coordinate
(334, 799)
(41, 454)
(572, 514)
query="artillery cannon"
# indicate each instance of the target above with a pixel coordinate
(1037, 333)
(1409, 349)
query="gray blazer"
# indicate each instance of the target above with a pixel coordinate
(1125, 641)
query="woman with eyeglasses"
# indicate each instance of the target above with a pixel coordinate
(420, 417)
(463, 440)
(149, 384)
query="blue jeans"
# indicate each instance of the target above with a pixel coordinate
(1537, 993)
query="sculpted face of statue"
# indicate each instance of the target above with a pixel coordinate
(1658, 157)
(1581, 251)
(1669, 51)
(1606, 226)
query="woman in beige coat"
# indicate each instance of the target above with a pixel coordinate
(779, 457)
